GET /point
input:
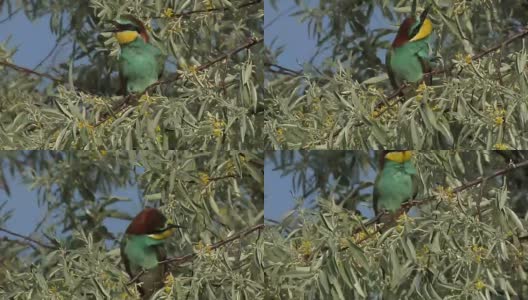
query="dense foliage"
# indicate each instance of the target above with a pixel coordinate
(208, 99)
(477, 100)
(469, 244)
(73, 252)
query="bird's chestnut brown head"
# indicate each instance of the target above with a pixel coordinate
(150, 221)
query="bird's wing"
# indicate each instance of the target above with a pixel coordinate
(426, 68)
(389, 70)
(125, 260)
(375, 197)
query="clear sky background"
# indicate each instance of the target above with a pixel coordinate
(285, 30)
(27, 213)
(33, 40)
(279, 195)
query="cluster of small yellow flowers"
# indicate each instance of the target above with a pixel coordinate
(169, 282)
(145, 98)
(421, 88)
(436, 107)
(360, 237)
(159, 136)
(377, 112)
(103, 152)
(280, 135)
(242, 158)
(230, 167)
(468, 59)
(329, 121)
(498, 115)
(479, 284)
(168, 12)
(84, 124)
(501, 146)
(305, 249)
(445, 193)
(478, 252)
(404, 218)
(218, 126)
(204, 178)
(201, 247)
(208, 4)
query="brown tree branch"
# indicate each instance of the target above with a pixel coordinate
(474, 182)
(27, 238)
(130, 99)
(29, 71)
(201, 11)
(214, 246)
(447, 70)
(281, 70)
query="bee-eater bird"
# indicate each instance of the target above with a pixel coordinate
(142, 250)
(408, 58)
(395, 182)
(140, 62)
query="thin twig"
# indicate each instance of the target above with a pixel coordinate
(29, 71)
(282, 70)
(214, 246)
(202, 11)
(131, 98)
(458, 189)
(26, 238)
(447, 70)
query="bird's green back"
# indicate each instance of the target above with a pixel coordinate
(394, 185)
(140, 65)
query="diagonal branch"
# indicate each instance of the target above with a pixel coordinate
(181, 259)
(418, 202)
(509, 40)
(27, 238)
(202, 11)
(130, 99)
(29, 71)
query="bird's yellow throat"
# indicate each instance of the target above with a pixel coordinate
(125, 37)
(399, 156)
(425, 30)
(163, 235)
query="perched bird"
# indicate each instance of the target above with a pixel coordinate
(395, 182)
(140, 62)
(408, 58)
(142, 249)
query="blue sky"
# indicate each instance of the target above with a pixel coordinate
(279, 195)
(287, 31)
(33, 40)
(27, 212)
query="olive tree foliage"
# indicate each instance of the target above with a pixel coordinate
(466, 245)
(208, 98)
(477, 100)
(72, 253)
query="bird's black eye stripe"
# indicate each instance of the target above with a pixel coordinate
(128, 27)
(161, 230)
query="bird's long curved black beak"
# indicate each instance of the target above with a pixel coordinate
(423, 16)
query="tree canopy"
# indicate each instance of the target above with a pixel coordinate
(466, 239)
(207, 98)
(477, 100)
(73, 252)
